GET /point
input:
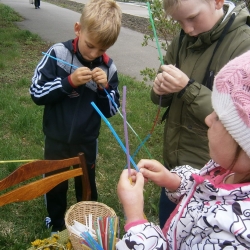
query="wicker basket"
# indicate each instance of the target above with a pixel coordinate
(78, 211)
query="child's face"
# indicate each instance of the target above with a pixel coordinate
(198, 16)
(222, 146)
(88, 48)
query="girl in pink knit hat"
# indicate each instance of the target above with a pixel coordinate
(213, 210)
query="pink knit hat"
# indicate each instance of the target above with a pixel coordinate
(231, 99)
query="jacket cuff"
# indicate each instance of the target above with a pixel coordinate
(180, 94)
(71, 83)
(67, 88)
(134, 223)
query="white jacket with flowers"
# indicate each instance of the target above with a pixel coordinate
(209, 215)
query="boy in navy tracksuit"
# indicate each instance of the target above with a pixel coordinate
(67, 85)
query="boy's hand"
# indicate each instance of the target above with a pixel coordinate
(158, 84)
(171, 80)
(99, 77)
(81, 76)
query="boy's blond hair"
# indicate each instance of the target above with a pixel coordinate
(101, 19)
(170, 5)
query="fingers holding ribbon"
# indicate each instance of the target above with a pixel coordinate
(158, 85)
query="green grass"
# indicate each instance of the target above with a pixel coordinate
(22, 138)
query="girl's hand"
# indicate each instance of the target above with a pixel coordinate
(155, 171)
(130, 193)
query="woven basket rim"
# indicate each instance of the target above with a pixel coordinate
(94, 205)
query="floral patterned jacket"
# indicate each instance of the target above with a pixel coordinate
(210, 215)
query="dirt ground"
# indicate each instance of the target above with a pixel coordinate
(139, 24)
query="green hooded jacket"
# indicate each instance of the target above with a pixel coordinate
(185, 132)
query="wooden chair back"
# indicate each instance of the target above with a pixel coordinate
(28, 191)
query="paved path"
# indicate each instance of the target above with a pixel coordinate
(134, 9)
(55, 24)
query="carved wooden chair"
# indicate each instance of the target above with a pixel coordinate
(28, 191)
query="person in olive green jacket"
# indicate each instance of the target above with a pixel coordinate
(213, 33)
